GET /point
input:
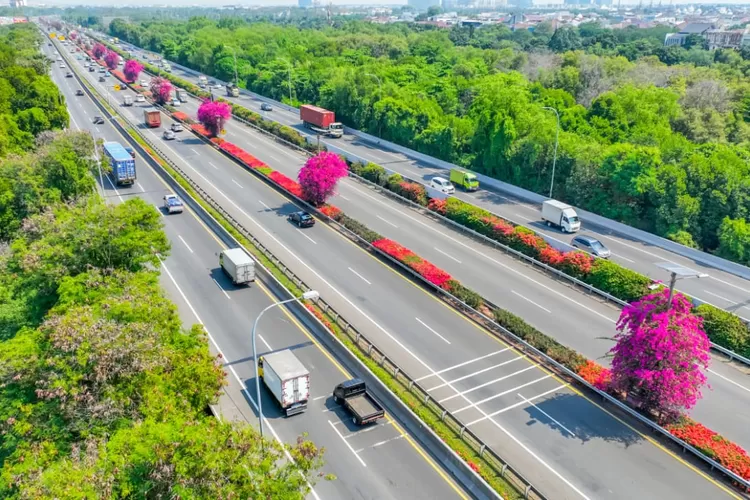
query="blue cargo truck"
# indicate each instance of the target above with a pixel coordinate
(123, 165)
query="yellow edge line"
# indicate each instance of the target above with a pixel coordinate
(501, 342)
(418, 449)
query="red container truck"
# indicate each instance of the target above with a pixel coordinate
(152, 117)
(320, 120)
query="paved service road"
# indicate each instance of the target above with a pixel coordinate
(518, 408)
(574, 318)
(369, 463)
(721, 289)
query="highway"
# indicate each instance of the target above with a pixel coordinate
(722, 289)
(372, 463)
(569, 315)
(569, 446)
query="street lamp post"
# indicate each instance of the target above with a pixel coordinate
(309, 295)
(554, 158)
(234, 52)
(290, 79)
(678, 272)
(380, 91)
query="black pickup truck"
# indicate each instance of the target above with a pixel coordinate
(353, 396)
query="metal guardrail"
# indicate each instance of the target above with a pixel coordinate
(534, 262)
(506, 335)
(501, 467)
(491, 325)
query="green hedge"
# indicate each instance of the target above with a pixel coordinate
(359, 229)
(725, 329)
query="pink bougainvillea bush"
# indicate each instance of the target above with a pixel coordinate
(213, 115)
(132, 69)
(111, 59)
(161, 90)
(661, 354)
(320, 175)
(99, 50)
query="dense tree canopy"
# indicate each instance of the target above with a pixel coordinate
(651, 136)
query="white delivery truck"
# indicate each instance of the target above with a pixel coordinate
(287, 379)
(558, 214)
(127, 100)
(238, 265)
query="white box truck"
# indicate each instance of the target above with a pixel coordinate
(287, 379)
(558, 214)
(238, 265)
(127, 100)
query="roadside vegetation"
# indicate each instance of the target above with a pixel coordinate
(654, 137)
(104, 393)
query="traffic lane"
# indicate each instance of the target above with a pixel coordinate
(192, 254)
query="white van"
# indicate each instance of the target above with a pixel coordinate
(442, 185)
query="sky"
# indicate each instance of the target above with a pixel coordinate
(266, 3)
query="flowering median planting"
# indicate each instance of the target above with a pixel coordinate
(726, 452)
(722, 327)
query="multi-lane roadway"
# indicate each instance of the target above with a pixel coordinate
(568, 445)
(722, 289)
(374, 463)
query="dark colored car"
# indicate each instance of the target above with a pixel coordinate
(79, 92)
(68, 75)
(591, 245)
(302, 219)
(98, 120)
(266, 107)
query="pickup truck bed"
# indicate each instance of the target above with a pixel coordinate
(363, 405)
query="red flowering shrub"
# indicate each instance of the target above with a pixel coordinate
(714, 445)
(241, 154)
(577, 264)
(331, 211)
(551, 256)
(200, 129)
(595, 374)
(179, 115)
(502, 229)
(218, 141)
(286, 183)
(426, 269)
(413, 191)
(119, 75)
(436, 205)
(320, 316)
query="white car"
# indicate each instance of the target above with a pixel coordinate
(442, 185)
(176, 102)
(144, 83)
(173, 204)
(168, 135)
(140, 98)
(176, 127)
(63, 66)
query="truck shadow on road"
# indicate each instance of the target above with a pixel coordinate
(566, 414)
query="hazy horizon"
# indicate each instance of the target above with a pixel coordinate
(292, 3)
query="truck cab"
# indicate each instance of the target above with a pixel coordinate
(463, 179)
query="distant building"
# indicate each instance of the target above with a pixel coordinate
(17, 4)
(687, 30)
(720, 39)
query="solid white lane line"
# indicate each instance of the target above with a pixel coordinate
(387, 221)
(113, 187)
(433, 331)
(185, 243)
(231, 369)
(194, 151)
(507, 408)
(267, 207)
(730, 380)
(610, 238)
(237, 183)
(347, 444)
(320, 397)
(462, 364)
(306, 236)
(141, 187)
(499, 379)
(491, 259)
(447, 255)
(546, 415)
(495, 396)
(730, 284)
(217, 168)
(523, 217)
(483, 370)
(222, 290)
(529, 300)
(378, 325)
(360, 276)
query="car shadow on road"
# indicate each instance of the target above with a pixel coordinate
(566, 414)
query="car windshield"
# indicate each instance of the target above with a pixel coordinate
(597, 245)
(572, 220)
(305, 216)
